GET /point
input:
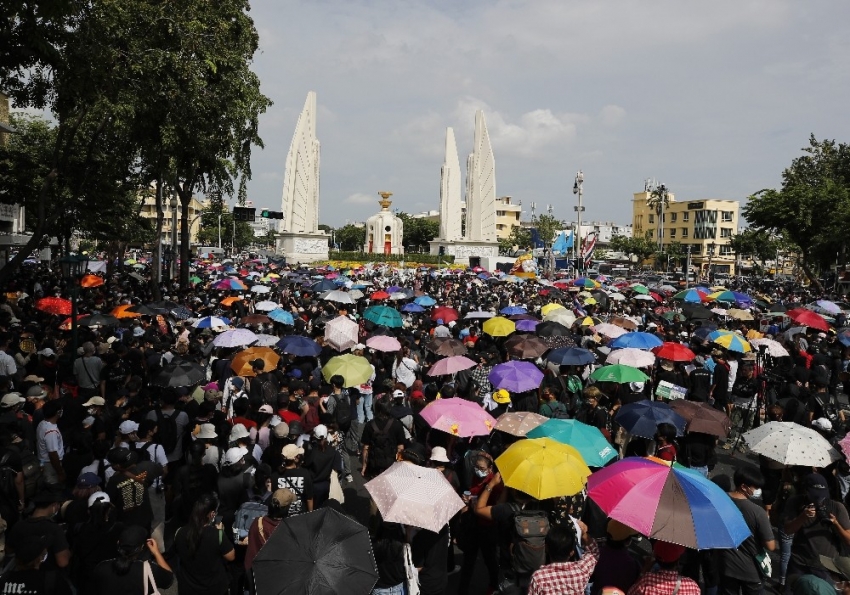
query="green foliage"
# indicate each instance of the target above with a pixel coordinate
(757, 244)
(547, 226)
(640, 247)
(418, 231)
(209, 229)
(418, 258)
(519, 239)
(350, 237)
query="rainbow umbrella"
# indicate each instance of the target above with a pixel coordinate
(668, 503)
(693, 296)
(732, 342)
(586, 282)
(233, 284)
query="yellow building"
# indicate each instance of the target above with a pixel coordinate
(707, 226)
(507, 216)
(196, 207)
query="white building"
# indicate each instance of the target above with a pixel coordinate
(384, 231)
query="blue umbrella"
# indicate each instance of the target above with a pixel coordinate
(299, 346)
(642, 418)
(571, 356)
(212, 321)
(425, 301)
(412, 308)
(636, 341)
(704, 331)
(282, 316)
(323, 285)
(513, 310)
(844, 337)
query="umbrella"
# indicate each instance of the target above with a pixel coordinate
(478, 314)
(235, 338)
(416, 496)
(98, 320)
(181, 313)
(266, 306)
(458, 417)
(702, 418)
(451, 365)
(146, 309)
(638, 288)
(338, 296)
(412, 308)
(621, 321)
(68, 323)
(543, 468)
(674, 352)
(179, 374)
(383, 316)
(586, 282)
(629, 356)
(378, 295)
(828, 306)
(527, 325)
(282, 316)
(803, 317)
(89, 281)
(732, 342)
(619, 373)
(299, 346)
(790, 443)
(266, 341)
(515, 376)
(550, 308)
(229, 301)
(234, 284)
(526, 346)
(610, 330)
(323, 285)
(774, 348)
(54, 305)
(354, 369)
(593, 447)
(124, 312)
(693, 296)
(342, 333)
(696, 312)
(551, 328)
(668, 503)
(519, 423)
(260, 289)
(383, 343)
(512, 310)
(241, 364)
(320, 553)
(739, 314)
(498, 327)
(562, 316)
(255, 319)
(445, 314)
(642, 418)
(426, 301)
(571, 356)
(445, 346)
(637, 341)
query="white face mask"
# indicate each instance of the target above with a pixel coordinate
(482, 473)
(756, 495)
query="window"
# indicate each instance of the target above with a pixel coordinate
(696, 249)
(672, 233)
(686, 216)
(651, 218)
(725, 232)
(650, 233)
(500, 226)
(725, 250)
(684, 232)
(500, 213)
(726, 216)
(673, 217)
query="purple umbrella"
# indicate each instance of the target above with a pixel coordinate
(527, 325)
(236, 338)
(451, 365)
(516, 376)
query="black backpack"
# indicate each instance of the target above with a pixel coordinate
(528, 539)
(142, 451)
(167, 430)
(557, 410)
(382, 453)
(342, 411)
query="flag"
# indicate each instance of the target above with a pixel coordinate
(560, 245)
(536, 242)
(588, 248)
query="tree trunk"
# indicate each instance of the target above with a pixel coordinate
(811, 276)
(156, 268)
(185, 239)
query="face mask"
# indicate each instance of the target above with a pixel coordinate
(482, 473)
(756, 495)
(92, 411)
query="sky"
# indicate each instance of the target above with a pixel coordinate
(713, 99)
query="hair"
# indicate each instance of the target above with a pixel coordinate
(126, 556)
(666, 431)
(146, 426)
(240, 407)
(560, 543)
(198, 519)
(748, 476)
(592, 392)
(382, 410)
(337, 381)
(51, 409)
(447, 391)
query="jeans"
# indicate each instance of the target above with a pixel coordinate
(701, 470)
(785, 542)
(399, 589)
(364, 408)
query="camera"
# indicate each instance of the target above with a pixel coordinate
(821, 513)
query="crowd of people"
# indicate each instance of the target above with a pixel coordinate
(116, 476)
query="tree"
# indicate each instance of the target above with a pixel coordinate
(759, 245)
(519, 239)
(639, 247)
(418, 231)
(659, 199)
(547, 226)
(673, 252)
(351, 238)
(812, 208)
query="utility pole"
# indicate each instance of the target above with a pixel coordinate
(578, 189)
(688, 269)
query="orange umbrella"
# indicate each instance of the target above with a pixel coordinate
(123, 312)
(241, 364)
(91, 281)
(228, 301)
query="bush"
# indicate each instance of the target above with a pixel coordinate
(407, 258)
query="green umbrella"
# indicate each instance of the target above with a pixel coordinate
(619, 373)
(194, 280)
(638, 288)
(383, 315)
(355, 369)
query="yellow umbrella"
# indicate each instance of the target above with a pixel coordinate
(754, 334)
(549, 307)
(543, 468)
(499, 326)
(590, 321)
(353, 368)
(590, 301)
(241, 364)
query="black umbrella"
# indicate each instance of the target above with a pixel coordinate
(778, 308)
(98, 320)
(549, 328)
(144, 310)
(601, 297)
(322, 552)
(179, 373)
(696, 312)
(181, 313)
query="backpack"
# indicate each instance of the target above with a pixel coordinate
(245, 516)
(528, 539)
(31, 468)
(167, 432)
(557, 410)
(142, 451)
(8, 489)
(268, 390)
(382, 453)
(342, 411)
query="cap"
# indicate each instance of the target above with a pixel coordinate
(138, 331)
(95, 402)
(809, 584)
(667, 364)
(438, 454)
(651, 325)
(234, 455)
(358, 347)
(99, 497)
(667, 553)
(398, 394)
(36, 392)
(296, 373)
(637, 387)
(283, 497)
(207, 432)
(281, 430)
(320, 431)
(839, 565)
(33, 378)
(47, 352)
(128, 427)
(816, 487)
(132, 537)
(822, 423)
(290, 451)
(238, 432)
(212, 394)
(618, 531)
(502, 396)
(265, 409)
(88, 480)
(12, 399)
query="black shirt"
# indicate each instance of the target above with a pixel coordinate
(699, 385)
(389, 557)
(42, 527)
(36, 582)
(130, 499)
(430, 552)
(107, 582)
(300, 482)
(203, 572)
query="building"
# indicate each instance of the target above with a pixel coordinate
(196, 208)
(12, 216)
(507, 216)
(384, 231)
(705, 225)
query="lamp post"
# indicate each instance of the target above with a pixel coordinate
(219, 231)
(74, 266)
(711, 247)
(578, 189)
(688, 269)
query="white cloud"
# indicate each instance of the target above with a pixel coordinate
(360, 198)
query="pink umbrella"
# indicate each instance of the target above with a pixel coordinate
(458, 417)
(383, 343)
(451, 365)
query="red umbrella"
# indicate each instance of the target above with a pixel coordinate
(54, 305)
(379, 295)
(808, 318)
(675, 352)
(445, 314)
(67, 325)
(655, 296)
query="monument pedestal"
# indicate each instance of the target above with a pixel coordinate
(463, 249)
(303, 247)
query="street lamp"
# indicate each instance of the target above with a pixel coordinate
(74, 266)
(711, 247)
(578, 189)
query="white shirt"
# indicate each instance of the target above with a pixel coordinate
(48, 439)
(7, 364)
(405, 371)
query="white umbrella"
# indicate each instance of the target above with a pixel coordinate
(355, 294)
(338, 296)
(774, 349)
(618, 297)
(235, 338)
(266, 341)
(478, 314)
(260, 289)
(790, 443)
(611, 331)
(266, 306)
(342, 333)
(646, 298)
(561, 315)
(398, 296)
(636, 358)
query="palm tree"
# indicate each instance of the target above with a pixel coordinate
(659, 199)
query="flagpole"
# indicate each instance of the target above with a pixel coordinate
(578, 188)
